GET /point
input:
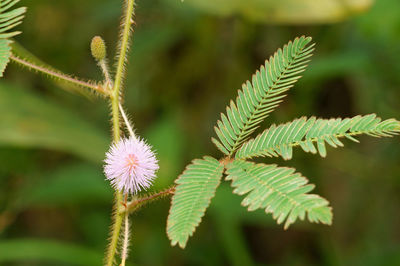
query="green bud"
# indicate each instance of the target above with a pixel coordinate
(98, 48)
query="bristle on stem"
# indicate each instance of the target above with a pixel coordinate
(122, 54)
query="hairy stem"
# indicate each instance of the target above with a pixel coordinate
(115, 98)
(135, 204)
(117, 217)
(106, 73)
(59, 75)
(124, 45)
(125, 243)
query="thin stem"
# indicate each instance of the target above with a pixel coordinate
(135, 204)
(59, 75)
(106, 73)
(124, 45)
(125, 244)
(126, 120)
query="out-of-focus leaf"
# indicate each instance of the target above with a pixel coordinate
(227, 205)
(337, 65)
(30, 121)
(233, 240)
(28, 250)
(380, 25)
(285, 11)
(77, 183)
(167, 141)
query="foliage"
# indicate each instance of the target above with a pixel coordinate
(5, 53)
(32, 121)
(192, 197)
(8, 20)
(259, 98)
(278, 190)
(303, 132)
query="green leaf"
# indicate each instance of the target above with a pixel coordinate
(260, 97)
(28, 250)
(306, 133)
(8, 20)
(195, 189)
(278, 190)
(28, 120)
(5, 53)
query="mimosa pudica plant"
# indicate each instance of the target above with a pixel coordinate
(281, 191)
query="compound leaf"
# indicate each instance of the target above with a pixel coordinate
(195, 189)
(278, 190)
(262, 95)
(8, 20)
(312, 134)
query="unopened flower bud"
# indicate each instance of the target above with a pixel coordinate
(98, 48)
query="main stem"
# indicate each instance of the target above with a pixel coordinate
(115, 101)
(117, 217)
(124, 44)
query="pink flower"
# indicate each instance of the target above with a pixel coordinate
(130, 165)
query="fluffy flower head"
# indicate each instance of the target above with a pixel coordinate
(130, 165)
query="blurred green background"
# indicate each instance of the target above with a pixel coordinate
(187, 61)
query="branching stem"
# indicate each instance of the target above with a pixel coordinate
(106, 73)
(135, 204)
(59, 75)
